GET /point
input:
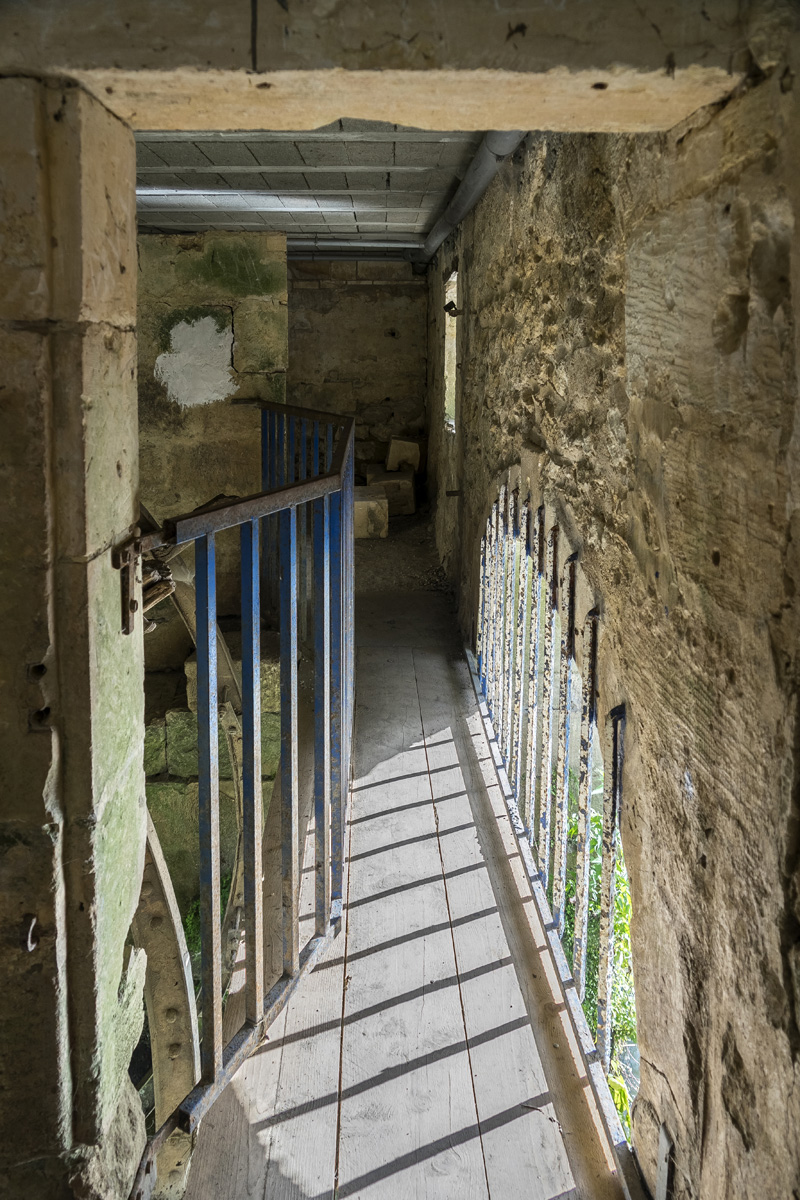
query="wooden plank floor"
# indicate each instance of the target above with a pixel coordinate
(423, 1058)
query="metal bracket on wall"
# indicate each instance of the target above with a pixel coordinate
(125, 558)
(665, 1178)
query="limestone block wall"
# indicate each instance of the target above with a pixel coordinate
(171, 770)
(357, 346)
(212, 324)
(630, 339)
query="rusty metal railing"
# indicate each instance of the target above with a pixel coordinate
(306, 504)
(526, 674)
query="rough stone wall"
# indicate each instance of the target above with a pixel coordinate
(71, 720)
(357, 347)
(630, 339)
(212, 324)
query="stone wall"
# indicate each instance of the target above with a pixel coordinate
(629, 347)
(357, 346)
(212, 323)
(71, 719)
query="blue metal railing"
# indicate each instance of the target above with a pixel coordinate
(304, 512)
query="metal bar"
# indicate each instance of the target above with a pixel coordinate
(588, 718)
(566, 676)
(289, 756)
(351, 584)
(283, 425)
(501, 615)
(242, 1045)
(522, 633)
(309, 414)
(291, 452)
(249, 508)
(252, 822)
(265, 521)
(208, 805)
(273, 549)
(481, 608)
(511, 627)
(187, 528)
(255, 169)
(337, 826)
(322, 710)
(614, 759)
(347, 627)
(492, 610)
(534, 713)
(486, 588)
(544, 767)
(495, 614)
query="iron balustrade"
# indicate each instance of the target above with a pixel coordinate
(526, 613)
(296, 540)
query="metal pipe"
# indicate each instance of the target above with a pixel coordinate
(252, 823)
(588, 722)
(492, 153)
(208, 806)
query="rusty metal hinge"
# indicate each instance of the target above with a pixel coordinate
(126, 558)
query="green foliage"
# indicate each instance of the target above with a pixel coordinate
(622, 1103)
(623, 998)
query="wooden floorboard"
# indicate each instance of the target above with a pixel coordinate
(408, 1119)
(302, 1145)
(522, 1142)
(427, 1056)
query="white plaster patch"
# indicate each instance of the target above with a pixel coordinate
(197, 367)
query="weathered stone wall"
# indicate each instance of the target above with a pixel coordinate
(71, 720)
(357, 346)
(630, 339)
(212, 324)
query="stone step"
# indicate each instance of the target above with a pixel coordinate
(371, 512)
(398, 486)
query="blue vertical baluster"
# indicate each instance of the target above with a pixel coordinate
(316, 469)
(291, 453)
(289, 770)
(304, 535)
(322, 710)
(351, 613)
(265, 486)
(337, 823)
(208, 801)
(281, 450)
(272, 550)
(251, 773)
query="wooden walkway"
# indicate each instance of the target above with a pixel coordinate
(427, 1056)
